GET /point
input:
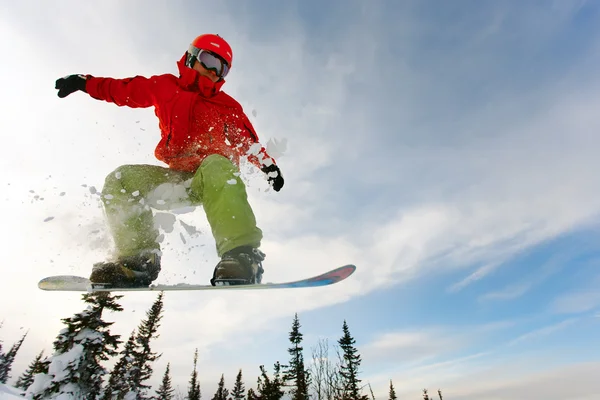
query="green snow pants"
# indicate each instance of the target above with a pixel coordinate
(131, 191)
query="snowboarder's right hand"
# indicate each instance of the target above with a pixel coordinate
(70, 84)
(274, 176)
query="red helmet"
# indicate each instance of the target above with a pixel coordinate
(213, 43)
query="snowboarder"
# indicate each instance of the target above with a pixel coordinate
(204, 133)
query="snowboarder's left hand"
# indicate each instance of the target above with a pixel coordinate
(70, 84)
(274, 176)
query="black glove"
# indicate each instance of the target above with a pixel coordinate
(70, 84)
(274, 176)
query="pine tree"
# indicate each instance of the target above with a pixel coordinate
(118, 382)
(295, 371)
(74, 370)
(268, 388)
(350, 367)
(252, 395)
(222, 393)
(165, 390)
(238, 389)
(35, 367)
(6, 360)
(392, 392)
(143, 356)
(371, 391)
(194, 388)
(134, 365)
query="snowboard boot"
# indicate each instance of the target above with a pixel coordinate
(134, 271)
(240, 266)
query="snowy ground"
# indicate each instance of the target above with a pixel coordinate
(9, 393)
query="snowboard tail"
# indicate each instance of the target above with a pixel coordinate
(73, 283)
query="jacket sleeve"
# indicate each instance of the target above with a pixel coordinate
(135, 92)
(251, 147)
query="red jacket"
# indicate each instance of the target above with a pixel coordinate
(196, 118)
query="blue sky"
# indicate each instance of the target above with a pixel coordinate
(448, 149)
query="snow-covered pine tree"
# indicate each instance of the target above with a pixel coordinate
(165, 390)
(6, 360)
(194, 388)
(118, 382)
(143, 356)
(350, 367)
(135, 361)
(222, 393)
(238, 388)
(295, 371)
(37, 366)
(75, 370)
(392, 392)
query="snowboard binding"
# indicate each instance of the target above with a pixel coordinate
(240, 266)
(127, 272)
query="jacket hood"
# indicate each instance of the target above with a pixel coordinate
(191, 79)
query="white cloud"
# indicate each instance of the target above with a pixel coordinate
(545, 331)
(468, 360)
(508, 293)
(580, 299)
(575, 381)
(410, 347)
(535, 276)
(491, 376)
(577, 302)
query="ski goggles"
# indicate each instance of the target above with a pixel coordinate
(213, 62)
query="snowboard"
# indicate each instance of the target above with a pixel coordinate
(73, 283)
